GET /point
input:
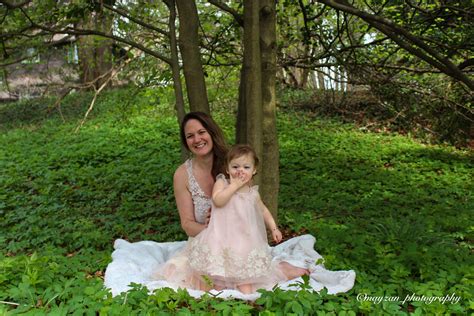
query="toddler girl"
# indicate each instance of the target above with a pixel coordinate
(233, 251)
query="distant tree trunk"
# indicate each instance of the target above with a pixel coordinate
(303, 73)
(5, 79)
(304, 78)
(270, 155)
(292, 76)
(175, 69)
(190, 53)
(313, 80)
(281, 75)
(321, 84)
(95, 54)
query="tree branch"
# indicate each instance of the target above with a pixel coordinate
(74, 31)
(109, 75)
(139, 22)
(14, 6)
(13, 62)
(224, 7)
(405, 39)
(467, 63)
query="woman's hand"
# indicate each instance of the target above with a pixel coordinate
(276, 234)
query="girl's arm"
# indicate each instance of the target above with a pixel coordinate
(270, 222)
(221, 193)
(184, 202)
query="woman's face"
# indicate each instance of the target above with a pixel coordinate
(198, 139)
(243, 167)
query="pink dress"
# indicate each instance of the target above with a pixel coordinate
(232, 251)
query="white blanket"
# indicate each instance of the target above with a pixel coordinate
(136, 262)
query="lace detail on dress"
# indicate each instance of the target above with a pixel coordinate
(228, 264)
(202, 203)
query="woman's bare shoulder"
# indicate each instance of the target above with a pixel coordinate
(180, 175)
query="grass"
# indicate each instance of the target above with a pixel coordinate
(396, 211)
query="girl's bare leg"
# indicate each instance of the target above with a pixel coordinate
(291, 272)
(245, 288)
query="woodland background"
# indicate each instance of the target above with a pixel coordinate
(362, 112)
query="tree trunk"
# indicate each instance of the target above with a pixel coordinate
(95, 55)
(313, 80)
(321, 84)
(304, 78)
(190, 53)
(241, 122)
(252, 92)
(256, 117)
(270, 155)
(303, 73)
(175, 69)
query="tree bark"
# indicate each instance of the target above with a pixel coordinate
(95, 55)
(252, 92)
(175, 69)
(321, 84)
(270, 156)
(190, 53)
(241, 122)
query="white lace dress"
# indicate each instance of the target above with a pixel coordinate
(202, 202)
(153, 264)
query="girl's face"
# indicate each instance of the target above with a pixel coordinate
(198, 139)
(243, 166)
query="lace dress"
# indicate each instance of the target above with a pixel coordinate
(233, 250)
(202, 203)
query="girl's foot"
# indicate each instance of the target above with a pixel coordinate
(291, 272)
(245, 288)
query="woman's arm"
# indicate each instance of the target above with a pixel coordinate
(184, 202)
(270, 221)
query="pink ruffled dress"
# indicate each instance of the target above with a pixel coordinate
(232, 251)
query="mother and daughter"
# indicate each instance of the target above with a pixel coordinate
(224, 217)
(231, 250)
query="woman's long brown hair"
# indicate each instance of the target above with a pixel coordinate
(219, 148)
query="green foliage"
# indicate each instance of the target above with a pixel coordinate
(125, 172)
(395, 211)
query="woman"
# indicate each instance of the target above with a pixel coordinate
(193, 182)
(194, 179)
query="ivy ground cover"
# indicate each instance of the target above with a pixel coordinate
(396, 211)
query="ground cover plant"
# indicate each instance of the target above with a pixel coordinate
(394, 210)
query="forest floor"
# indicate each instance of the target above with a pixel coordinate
(396, 211)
